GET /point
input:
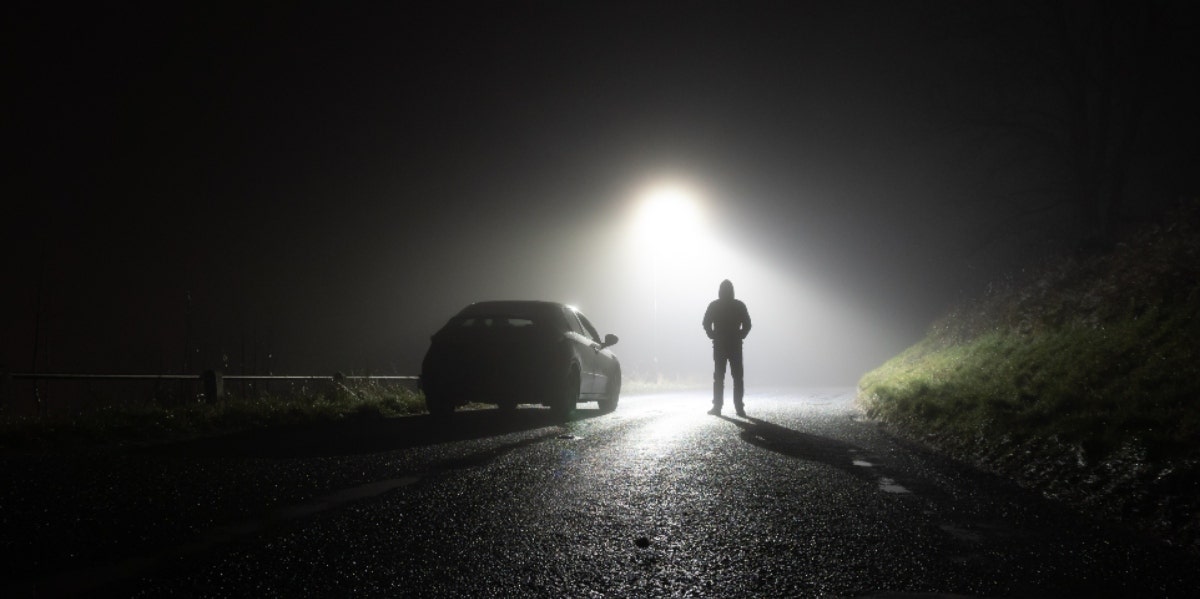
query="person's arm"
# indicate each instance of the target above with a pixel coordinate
(707, 323)
(745, 321)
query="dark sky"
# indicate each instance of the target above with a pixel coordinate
(328, 184)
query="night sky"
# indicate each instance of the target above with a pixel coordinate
(196, 186)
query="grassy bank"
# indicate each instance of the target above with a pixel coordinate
(156, 423)
(670, 384)
(1080, 378)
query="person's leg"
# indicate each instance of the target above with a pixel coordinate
(719, 360)
(735, 367)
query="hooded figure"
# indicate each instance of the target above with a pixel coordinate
(727, 322)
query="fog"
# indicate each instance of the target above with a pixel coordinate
(650, 286)
(649, 277)
(297, 191)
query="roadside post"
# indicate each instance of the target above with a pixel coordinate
(5, 387)
(214, 386)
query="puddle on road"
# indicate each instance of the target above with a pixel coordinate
(961, 534)
(336, 499)
(223, 534)
(888, 485)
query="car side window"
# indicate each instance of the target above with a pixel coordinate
(591, 330)
(573, 321)
(495, 322)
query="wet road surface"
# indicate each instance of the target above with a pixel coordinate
(801, 498)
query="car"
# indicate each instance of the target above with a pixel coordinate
(520, 352)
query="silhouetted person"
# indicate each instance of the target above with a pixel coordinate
(727, 322)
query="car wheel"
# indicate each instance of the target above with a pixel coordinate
(568, 396)
(609, 403)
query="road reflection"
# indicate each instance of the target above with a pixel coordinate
(363, 436)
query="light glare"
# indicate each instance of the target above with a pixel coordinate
(668, 214)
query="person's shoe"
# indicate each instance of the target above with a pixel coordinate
(741, 412)
(715, 412)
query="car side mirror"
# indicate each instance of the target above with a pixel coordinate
(609, 339)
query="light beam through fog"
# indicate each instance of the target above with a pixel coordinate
(673, 255)
(644, 266)
(669, 228)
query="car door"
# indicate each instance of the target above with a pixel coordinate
(599, 357)
(585, 349)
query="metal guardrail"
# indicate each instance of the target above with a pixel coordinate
(195, 377)
(49, 376)
(213, 381)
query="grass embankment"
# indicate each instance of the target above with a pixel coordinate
(1081, 379)
(663, 384)
(156, 423)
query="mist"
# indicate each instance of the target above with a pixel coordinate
(296, 191)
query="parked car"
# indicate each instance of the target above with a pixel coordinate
(520, 352)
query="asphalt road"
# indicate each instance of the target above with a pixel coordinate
(802, 498)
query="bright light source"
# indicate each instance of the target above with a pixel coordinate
(668, 214)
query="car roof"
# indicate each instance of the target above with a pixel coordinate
(512, 308)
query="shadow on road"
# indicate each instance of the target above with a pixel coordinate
(796, 444)
(362, 436)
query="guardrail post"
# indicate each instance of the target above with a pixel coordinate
(5, 387)
(214, 385)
